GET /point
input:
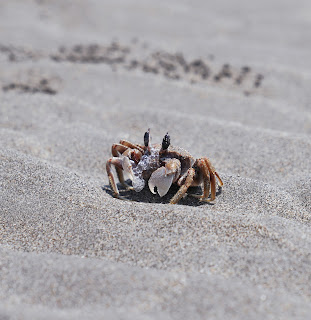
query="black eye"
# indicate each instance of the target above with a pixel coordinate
(166, 142)
(146, 138)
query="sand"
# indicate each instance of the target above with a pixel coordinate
(230, 81)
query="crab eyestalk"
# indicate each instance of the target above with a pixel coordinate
(166, 142)
(146, 138)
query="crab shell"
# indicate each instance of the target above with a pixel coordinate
(161, 168)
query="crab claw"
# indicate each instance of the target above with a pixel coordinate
(161, 180)
(127, 167)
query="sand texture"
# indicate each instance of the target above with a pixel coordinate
(228, 80)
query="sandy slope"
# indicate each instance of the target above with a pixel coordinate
(76, 78)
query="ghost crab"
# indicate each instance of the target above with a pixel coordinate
(161, 165)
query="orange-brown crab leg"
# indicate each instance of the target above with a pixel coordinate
(212, 174)
(118, 164)
(220, 181)
(206, 179)
(183, 189)
(132, 145)
(208, 175)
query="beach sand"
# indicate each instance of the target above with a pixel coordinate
(229, 81)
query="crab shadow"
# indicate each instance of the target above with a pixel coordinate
(146, 196)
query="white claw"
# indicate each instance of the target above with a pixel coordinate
(127, 167)
(161, 180)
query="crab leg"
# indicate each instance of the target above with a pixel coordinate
(132, 145)
(211, 169)
(206, 179)
(212, 174)
(213, 186)
(208, 175)
(118, 148)
(203, 176)
(220, 181)
(117, 162)
(183, 189)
